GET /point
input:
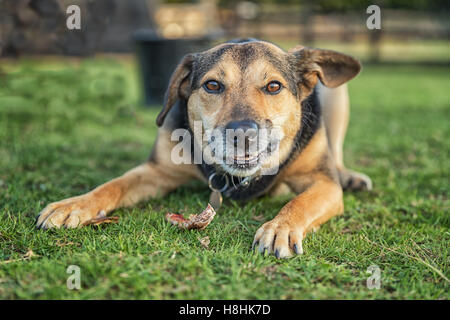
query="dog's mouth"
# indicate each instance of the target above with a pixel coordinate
(241, 165)
(248, 164)
(241, 169)
(245, 162)
(243, 157)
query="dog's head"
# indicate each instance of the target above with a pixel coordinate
(246, 96)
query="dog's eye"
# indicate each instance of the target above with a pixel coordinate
(273, 87)
(212, 86)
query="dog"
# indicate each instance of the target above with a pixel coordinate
(247, 85)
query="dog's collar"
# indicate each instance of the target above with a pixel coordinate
(237, 188)
(226, 188)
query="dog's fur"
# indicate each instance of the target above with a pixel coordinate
(312, 109)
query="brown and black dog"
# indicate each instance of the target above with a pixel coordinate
(247, 84)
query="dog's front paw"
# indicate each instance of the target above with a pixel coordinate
(354, 181)
(70, 213)
(280, 238)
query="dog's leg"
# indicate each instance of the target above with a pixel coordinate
(280, 189)
(315, 205)
(149, 180)
(335, 108)
(314, 178)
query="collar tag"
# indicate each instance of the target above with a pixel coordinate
(216, 199)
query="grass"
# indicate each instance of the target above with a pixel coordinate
(68, 128)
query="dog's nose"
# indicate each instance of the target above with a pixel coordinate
(248, 127)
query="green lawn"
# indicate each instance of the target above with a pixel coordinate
(67, 127)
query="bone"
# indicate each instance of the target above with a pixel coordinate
(195, 221)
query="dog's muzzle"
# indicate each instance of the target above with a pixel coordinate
(242, 148)
(241, 144)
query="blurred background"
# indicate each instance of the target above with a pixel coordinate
(159, 33)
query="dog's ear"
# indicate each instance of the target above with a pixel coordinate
(331, 67)
(179, 86)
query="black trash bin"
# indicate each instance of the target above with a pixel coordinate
(158, 58)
